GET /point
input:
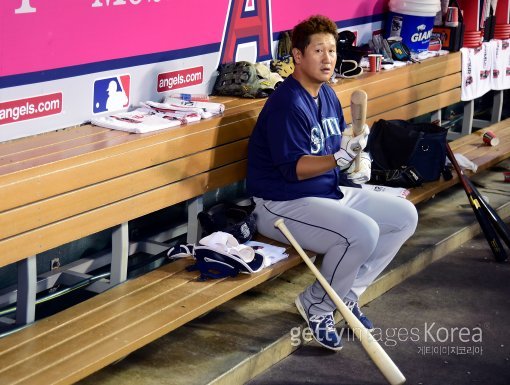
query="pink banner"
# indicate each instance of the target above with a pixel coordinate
(287, 13)
(62, 33)
(37, 35)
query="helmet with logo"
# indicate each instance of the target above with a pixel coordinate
(214, 263)
(235, 219)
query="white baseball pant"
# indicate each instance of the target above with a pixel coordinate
(359, 235)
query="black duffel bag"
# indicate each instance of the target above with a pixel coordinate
(407, 154)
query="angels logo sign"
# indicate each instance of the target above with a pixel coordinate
(111, 94)
(247, 21)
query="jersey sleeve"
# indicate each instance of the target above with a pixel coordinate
(289, 140)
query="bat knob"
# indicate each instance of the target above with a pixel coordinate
(278, 222)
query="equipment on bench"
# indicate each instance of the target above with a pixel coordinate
(245, 79)
(235, 219)
(214, 263)
(348, 56)
(400, 51)
(407, 154)
(379, 45)
(236, 223)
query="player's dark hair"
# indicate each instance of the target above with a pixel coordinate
(314, 24)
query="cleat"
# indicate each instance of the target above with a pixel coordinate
(322, 327)
(354, 307)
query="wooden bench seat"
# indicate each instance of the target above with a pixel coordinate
(73, 184)
(78, 341)
(65, 185)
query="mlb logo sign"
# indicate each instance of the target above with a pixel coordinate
(111, 94)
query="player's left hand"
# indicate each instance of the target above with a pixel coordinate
(364, 172)
(354, 144)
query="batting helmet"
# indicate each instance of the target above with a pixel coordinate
(230, 218)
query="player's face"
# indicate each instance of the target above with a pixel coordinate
(319, 59)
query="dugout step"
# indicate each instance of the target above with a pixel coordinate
(250, 333)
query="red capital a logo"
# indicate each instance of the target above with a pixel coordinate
(247, 21)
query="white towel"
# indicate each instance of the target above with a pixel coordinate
(139, 121)
(464, 162)
(395, 191)
(271, 253)
(500, 64)
(476, 71)
(226, 243)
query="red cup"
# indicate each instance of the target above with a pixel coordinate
(506, 176)
(490, 138)
(375, 62)
(452, 17)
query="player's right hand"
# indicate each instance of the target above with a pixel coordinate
(363, 174)
(351, 146)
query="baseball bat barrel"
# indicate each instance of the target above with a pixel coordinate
(380, 358)
(358, 110)
(359, 116)
(482, 218)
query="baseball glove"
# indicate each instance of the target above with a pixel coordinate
(284, 45)
(283, 67)
(241, 79)
(283, 64)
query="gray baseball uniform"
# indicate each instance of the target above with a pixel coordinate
(358, 231)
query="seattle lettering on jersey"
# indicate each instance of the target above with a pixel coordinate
(318, 135)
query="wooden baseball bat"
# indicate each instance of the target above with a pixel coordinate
(380, 358)
(359, 116)
(498, 223)
(481, 216)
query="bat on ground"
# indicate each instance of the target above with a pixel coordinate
(380, 358)
(359, 116)
(500, 226)
(481, 216)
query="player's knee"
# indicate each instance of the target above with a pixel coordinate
(373, 232)
(409, 217)
(367, 236)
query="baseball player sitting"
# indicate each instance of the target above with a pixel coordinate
(300, 168)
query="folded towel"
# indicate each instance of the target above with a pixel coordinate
(395, 191)
(271, 253)
(225, 242)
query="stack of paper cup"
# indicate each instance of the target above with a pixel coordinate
(452, 17)
(375, 62)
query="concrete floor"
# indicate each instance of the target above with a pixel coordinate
(445, 325)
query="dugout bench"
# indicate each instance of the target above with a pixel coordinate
(65, 185)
